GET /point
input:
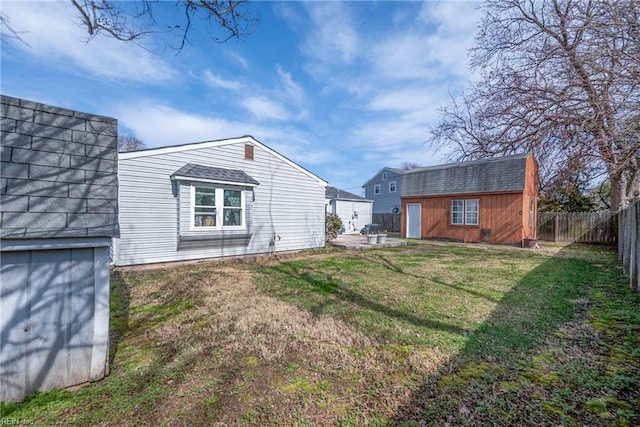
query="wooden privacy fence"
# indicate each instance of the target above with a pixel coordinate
(629, 242)
(388, 221)
(583, 227)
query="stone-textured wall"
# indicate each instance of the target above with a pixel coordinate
(58, 176)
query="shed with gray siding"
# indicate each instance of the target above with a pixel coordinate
(59, 211)
(214, 199)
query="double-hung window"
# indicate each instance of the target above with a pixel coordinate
(392, 187)
(204, 207)
(232, 213)
(376, 189)
(465, 212)
(217, 208)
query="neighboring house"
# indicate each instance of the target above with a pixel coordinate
(385, 188)
(492, 200)
(213, 199)
(354, 211)
(59, 209)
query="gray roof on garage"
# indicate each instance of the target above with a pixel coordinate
(500, 174)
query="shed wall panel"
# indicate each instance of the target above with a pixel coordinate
(354, 215)
(48, 319)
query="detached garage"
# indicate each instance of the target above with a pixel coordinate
(491, 200)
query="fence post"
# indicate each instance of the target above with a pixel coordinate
(635, 247)
(556, 227)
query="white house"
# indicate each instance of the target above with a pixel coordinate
(354, 211)
(213, 199)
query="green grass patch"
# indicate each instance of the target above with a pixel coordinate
(435, 333)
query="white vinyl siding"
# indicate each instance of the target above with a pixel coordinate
(354, 214)
(154, 215)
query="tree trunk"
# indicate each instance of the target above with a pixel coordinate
(618, 193)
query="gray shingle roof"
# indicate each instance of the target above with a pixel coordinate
(210, 173)
(336, 193)
(394, 170)
(500, 174)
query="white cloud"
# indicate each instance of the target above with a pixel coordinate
(331, 36)
(264, 108)
(216, 81)
(51, 34)
(161, 125)
(294, 91)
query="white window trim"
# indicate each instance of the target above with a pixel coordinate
(464, 212)
(376, 187)
(384, 176)
(395, 186)
(452, 203)
(219, 208)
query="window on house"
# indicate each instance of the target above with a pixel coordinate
(376, 189)
(392, 187)
(457, 212)
(204, 207)
(384, 176)
(232, 208)
(217, 208)
(471, 207)
(465, 212)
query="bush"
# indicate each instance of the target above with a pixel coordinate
(333, 224)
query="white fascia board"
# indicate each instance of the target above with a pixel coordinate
(212, 181)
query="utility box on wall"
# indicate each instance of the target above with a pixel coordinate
(59, 211)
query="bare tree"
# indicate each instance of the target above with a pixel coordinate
(129, 143)
(7, 31)
(559, 78)
(132, 21)
(407, 165)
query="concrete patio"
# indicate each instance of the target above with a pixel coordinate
(359, 241)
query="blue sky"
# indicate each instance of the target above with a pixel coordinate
(341, 88)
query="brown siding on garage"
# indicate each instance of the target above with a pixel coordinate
(498, 213)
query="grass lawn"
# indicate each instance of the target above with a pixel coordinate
(426, 334)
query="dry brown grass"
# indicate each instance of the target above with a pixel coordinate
(246, 357)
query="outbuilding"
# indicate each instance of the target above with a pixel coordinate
(59, 211)
(491, 200)
(354, 211)
(215, 199)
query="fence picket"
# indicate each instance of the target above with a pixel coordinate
(588, 227)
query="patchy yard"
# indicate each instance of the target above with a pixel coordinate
(423, 334)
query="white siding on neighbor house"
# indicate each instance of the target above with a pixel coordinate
(289, 203)
(355, 215)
